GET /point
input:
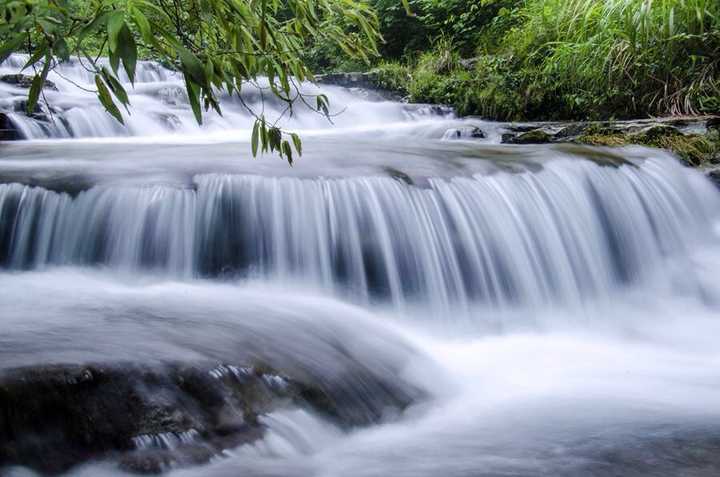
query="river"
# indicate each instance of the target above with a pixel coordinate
(552, 310)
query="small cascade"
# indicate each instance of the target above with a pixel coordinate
(159, 106)
(571, 231)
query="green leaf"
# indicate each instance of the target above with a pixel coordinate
(106, 99)
(37, 85)
(61, 50)
(287, 152)
(114, 61)
(115, 86)
(115, 22)
(8, 47)
(191, 65)
(143, 25)
(90, 28)
(255, 137)
(127, 51)
(406, 4)
(297, 142)
(193, 92)
(39, 53)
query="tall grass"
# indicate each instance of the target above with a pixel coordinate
(629, 56)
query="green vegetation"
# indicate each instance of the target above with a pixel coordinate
(501, 59)
(216, 44)
(562, 59)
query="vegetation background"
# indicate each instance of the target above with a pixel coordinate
(548, 59)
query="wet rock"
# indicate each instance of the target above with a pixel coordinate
(714, 176)
(398, 175)
(173, 96)
(55, 417)
(171, 121)
(8, 130)
(20, 106)
(536, 136)
(655, 132)
(571, 130)
(521, 128)
(713, 123)
(148, 418)
(467, 132)
(25, 81)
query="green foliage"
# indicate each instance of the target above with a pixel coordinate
(216, 44)
(393, 77)
(627, 56)
(464, 23)
(584, 59)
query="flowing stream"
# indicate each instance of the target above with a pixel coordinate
(557, 305)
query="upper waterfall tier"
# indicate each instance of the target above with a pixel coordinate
(159, 106)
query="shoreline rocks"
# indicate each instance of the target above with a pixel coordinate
(695, 140)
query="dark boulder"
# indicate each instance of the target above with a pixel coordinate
(25, 81)
(8, 130)
(55, 417)
(713, 123)
(714, 175)
(536, 136)
(148, 418)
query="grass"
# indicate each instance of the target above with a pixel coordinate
(581, 59)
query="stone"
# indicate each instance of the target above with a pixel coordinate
(55, 417)
(25, 81)
(536, 136)
(653, 133)
(713, 123)
(466, 132)
(714, 175)
(8, 130)
(571, 130)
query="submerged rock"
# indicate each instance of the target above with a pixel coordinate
(467, 132)
(8, 130)
(173, 95)
(145, 418)
(55, 417)
(25, 81)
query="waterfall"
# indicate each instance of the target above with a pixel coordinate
(159, 106)
(571, 231)
(410, 298)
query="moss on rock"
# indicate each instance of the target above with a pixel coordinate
(695, 149)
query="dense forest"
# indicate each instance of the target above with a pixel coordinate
(549, 59)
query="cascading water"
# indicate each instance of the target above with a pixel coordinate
(548, 310)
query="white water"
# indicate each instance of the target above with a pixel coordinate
(560, 305)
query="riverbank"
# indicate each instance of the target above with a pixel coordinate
(694, 139)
